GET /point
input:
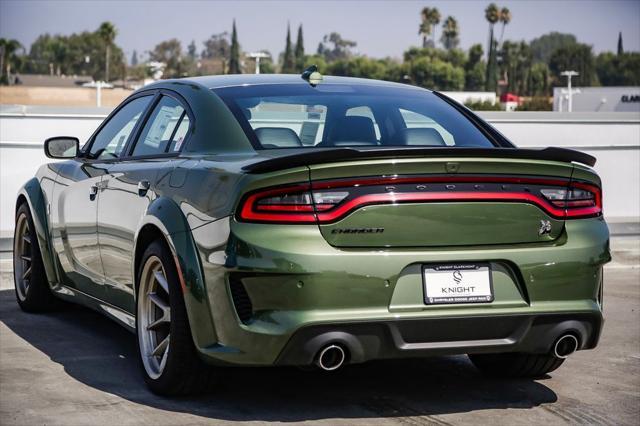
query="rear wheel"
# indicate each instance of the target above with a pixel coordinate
(515, 364)
(169, 359)
(32, 288)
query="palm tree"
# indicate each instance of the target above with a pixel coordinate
(429, 19)
(107, 32)
(425, 25)
(434, 19)
(492, 15)
(505, 18)
(8, 49)
(450, 33)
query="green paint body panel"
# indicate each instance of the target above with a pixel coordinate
(300, 277)
(442, 224)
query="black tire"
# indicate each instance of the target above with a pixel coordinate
(184, 372)
(32, 287)
(515, 364)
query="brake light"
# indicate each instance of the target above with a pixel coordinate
(289, 204)
(579, 200)
(330, 201)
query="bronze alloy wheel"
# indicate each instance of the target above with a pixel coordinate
(22, 256)
(154, 317)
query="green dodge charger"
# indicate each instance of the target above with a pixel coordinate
(315, 221)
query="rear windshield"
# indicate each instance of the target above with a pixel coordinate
(298, 115)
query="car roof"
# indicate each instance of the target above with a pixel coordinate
(230, 80)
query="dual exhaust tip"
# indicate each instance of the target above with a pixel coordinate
(565, 346)
(331, 357)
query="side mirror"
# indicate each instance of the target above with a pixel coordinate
(61, 147)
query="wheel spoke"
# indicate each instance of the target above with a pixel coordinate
(162, 346)
(165, 319)
(159, 276)
(27, 273)
(163, 360)
(25, 257)
(156, 300)
(27, 238)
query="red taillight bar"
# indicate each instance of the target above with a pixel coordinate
(251, 211)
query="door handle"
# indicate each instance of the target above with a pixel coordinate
(93, 191)
(143, 187)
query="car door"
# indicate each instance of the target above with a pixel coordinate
(129, 186)
(76, 191)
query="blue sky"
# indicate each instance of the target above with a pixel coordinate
(381, 28)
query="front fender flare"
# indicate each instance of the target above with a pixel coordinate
(37, 202)
(164, 214)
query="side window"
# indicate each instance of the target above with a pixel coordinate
(112, 138)
(165, 129)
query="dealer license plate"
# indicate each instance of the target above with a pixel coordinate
(457, 283)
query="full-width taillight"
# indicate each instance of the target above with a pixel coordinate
(330, 201)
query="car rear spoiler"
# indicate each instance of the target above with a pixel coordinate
(331, 155)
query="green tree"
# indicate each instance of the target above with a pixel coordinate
(266, 64)
(543, 47)
(538, 103)
(538, 80)
(360, 66)
(505, 18)
(341, 48)
(317, 60)
(492, 15)
(107, 32)
(620, 48)
(429, 18)
(169, 52)
(299, 51)
(289, 60)
(217, 47)
(82, 53)
(436, 74)
(578, 57)
(192, 50)
(475, 69)
(8, 57)
(234, 53)
(618, 70)
(515, 63)
(450, 33)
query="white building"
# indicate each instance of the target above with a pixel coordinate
(598, 99)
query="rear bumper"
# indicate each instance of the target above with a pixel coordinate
(303, 293)
(366, 341)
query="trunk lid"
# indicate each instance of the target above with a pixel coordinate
(430, 202)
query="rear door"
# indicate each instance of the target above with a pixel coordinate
(130, 185)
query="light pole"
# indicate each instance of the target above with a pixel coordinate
(570, 93)
(257, 56)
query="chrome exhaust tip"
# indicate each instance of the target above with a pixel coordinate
(565, 346)
(331, 358)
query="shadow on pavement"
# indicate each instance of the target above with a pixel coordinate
(101, 354)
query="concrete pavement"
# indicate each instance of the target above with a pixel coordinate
(75, 367)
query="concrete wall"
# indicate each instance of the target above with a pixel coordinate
(612, 138)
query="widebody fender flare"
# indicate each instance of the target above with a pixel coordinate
(33, 194)
(165, 215)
